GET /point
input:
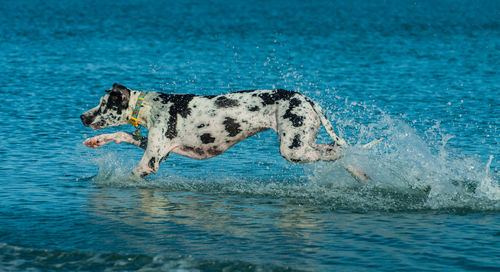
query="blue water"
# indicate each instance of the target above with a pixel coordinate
(422, 74)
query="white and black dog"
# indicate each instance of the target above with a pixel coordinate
(202, 127)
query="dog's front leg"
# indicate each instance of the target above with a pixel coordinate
(156, 151)
(118, 137)
(148, 165)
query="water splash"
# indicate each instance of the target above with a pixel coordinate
(408, 171)
(407, 165)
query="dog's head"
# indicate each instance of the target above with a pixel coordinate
(112, 111)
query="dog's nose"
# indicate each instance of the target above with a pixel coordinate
(85, 121)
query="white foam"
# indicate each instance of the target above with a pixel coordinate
(406, 161)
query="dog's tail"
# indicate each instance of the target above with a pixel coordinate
(327, 125)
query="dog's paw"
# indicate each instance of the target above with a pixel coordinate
(357, 175)
(97, 141)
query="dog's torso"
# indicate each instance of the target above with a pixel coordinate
(202, 127)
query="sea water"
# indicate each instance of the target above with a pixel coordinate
(422, 75)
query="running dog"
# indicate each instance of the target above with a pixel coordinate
(202, 127)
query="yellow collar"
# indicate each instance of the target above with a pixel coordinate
(135, 113)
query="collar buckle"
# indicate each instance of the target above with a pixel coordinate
(134, 121)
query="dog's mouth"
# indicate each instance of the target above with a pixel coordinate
(96, 126)
(91, 122)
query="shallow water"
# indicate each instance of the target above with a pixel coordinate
(424, 76)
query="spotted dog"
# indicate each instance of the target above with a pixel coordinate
(202, 127)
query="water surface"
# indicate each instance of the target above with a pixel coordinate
(423, 75)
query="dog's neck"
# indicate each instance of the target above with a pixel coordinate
(141, 117)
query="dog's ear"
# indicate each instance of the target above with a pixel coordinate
(118, 88)
(121, 90)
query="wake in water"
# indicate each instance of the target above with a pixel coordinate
(408, 173)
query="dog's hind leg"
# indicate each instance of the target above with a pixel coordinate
(299, 151)
(303, 152)
(118, 137)
(297, 143)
